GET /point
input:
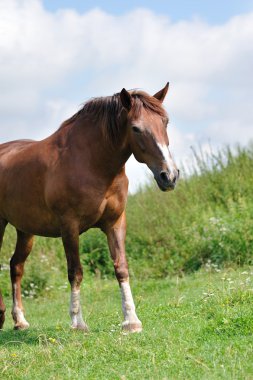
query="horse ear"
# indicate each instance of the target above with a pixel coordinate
(125, 98)
(160, 95)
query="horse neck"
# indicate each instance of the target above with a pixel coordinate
(87, 142)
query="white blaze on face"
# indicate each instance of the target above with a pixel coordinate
(167, 157)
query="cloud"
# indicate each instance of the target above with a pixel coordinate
(51, 62)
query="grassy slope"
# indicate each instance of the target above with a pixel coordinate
(208, 217)
(196, 327)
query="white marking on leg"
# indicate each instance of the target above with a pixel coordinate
(17, 312)
(130, 317)
(76, 311)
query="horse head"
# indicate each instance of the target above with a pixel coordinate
(147, 134)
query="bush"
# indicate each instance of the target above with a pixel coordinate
(95, 255)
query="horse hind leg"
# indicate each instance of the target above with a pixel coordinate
(70, 239)
(23, 248)
(3, 225)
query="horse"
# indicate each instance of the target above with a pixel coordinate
(75, 180)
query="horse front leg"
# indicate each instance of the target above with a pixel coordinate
(70, 238)
(116, 235)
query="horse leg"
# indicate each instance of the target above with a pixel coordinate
(23, 248)
(3, 225)
(116, 240)
(70, 239)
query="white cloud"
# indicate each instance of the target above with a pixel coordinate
(51, 62)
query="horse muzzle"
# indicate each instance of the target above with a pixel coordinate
(167, 180)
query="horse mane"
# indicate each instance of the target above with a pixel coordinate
(105, 111)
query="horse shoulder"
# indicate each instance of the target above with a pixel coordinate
(116, 199)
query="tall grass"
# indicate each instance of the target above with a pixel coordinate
(207, 218)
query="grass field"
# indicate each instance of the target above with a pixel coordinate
(199, 326)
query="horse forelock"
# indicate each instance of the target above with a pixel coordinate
(106, 111)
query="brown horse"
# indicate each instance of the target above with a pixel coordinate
(75, 179)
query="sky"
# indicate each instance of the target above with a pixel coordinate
(54, 55)
(216, 11)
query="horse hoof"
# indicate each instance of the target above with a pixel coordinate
(80, 327)
(132, 327)
(21, 326)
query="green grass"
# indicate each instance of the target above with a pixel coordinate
(198, 326)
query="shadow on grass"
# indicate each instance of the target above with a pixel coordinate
(49, 335)
(33, 336)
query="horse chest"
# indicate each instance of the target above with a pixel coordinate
(100, 215)
(101, 211)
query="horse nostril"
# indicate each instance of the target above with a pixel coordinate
(164, 176)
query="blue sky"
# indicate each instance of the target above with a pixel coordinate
(52, 61)
(212, 11)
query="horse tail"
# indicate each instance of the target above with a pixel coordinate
(2, 311)
(3, 225)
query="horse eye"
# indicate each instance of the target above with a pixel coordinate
(136, 129)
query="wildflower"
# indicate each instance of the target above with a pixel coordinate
(52, 340)
(4, 267)
(214, 220)
(208, 294)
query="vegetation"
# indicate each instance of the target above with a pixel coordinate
(199, 326)
(208, 217)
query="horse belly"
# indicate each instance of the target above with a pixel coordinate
(31, 218)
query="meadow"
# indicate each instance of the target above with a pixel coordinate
(190, 257)
(195, 327)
